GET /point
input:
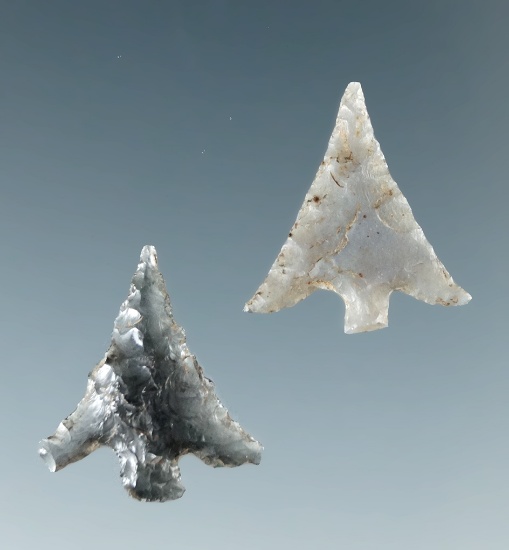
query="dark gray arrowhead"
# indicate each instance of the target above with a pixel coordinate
(149, 400)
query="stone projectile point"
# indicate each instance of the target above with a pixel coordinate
(149, 400)
(355, 234)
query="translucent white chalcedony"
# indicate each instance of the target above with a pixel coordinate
(355, 234)
(149, 400)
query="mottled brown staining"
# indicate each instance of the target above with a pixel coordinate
(387, 194)
(452, 301)
(324, 285)
(348, 158)
(344, 240)
(361, 275)
(350, 225)
(316, 199)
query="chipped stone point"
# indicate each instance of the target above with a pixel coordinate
(355, 234)
(149, 400)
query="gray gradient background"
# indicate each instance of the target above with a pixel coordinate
(396, 439)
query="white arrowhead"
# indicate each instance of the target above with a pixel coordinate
(356, 235)
(149, 400)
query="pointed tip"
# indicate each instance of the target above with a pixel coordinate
(353, 100)
(354, 91)
(463, 297)
(149, 255)
(354, 87)
(258, 304)
(256, 454)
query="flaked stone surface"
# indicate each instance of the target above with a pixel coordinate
(149, 400)
(355, 234)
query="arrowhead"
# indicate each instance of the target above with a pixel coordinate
(149, 400)
(355, 234)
